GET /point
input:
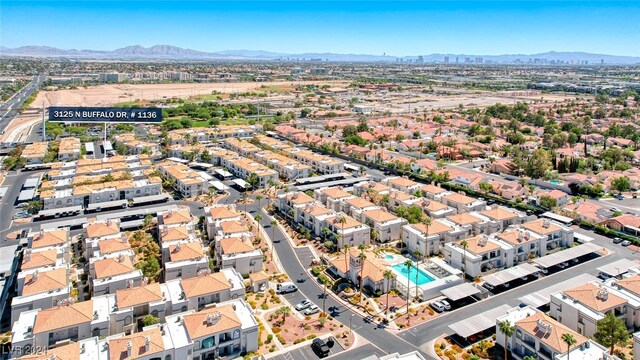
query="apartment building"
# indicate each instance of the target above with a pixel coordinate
(291, 203)
(371, 190)
(402, 184)
(57, 239)
(109, 274)
(207, 288)
(222, 331)
(286, 167)
(94, 167)
(333, 198)
(556, 234)
(68, 321)
(69, 149)
(34, 153)
(242, 147)
(134, 303)
(320, 163)
(97, 233)
(348, 230)
(217, 214)
(356, 206)
(428, 239)
(581, 307)
(462, 203)
(185, 260)
(187, 181)
(540, 336)
(480, 254)
(386, 225)
(40, 288)
(238, 253)
(105, 194)
(208, 135)
(137, 147)
(243, 168)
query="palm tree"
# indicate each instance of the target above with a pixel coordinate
(570, 341)
(284, 311)
(258, 199)
(507, 329)
(417, 255)
(346, 247)
(375, 235)
(408, 264)
(342, 220)
(388, 275)
(464, 245)
(325, 232)
(362, 256)
(427, 223)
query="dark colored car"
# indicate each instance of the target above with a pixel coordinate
(320, 348)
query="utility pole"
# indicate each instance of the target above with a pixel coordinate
(44, 125)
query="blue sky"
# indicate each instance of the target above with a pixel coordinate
(394, 28)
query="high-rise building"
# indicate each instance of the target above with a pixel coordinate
(446, 59)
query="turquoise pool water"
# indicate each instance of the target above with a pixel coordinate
(556, 182)
(388, 257)
(423, 277)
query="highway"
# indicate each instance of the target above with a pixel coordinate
(9, 109)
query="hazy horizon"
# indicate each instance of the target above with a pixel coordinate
(375, 28)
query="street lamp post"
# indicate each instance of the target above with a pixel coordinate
(350, 318)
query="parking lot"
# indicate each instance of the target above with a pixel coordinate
(306, 353)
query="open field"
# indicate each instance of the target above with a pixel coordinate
(105, 95)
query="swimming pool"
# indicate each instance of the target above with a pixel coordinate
(388, 257)
(423, 278)
(556, 182)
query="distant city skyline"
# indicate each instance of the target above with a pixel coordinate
(381, 27)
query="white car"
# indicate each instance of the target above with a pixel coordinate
(438, 306)
(312, 310)
(303, 304)
(446, 304)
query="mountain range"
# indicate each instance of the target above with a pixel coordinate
(170, 52)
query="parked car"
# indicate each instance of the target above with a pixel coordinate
(625, 243)
(320, 348)
(617, 240)
(312, 310)
(446, 304)
(619, 197)
(303, 304)
(488, 286)
(438, 306)
(614, 209)
(286, 287)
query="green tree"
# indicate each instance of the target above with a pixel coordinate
(149, 267)
(486, 187)
(34, 206)
(149, 320)
(258, 199)
(611, 331)
(548, 202)
(539, 163)
(621, 184)
(570, 341)
(507, 330)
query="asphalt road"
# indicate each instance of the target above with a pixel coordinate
(9, 109)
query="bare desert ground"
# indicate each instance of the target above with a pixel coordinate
(105, 95)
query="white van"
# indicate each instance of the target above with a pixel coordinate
(286, 287)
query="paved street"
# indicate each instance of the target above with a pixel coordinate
(9, 109)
